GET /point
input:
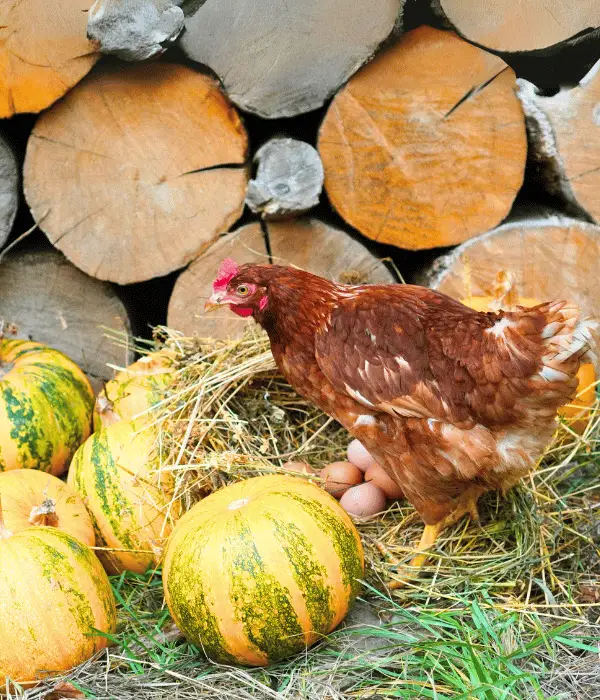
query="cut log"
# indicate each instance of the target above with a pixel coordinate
(134, 30)
(306, 243)
(426, 145)
(547, 258)
(564, 133)
(9, 190)
(43, 52)
(514, 25)
(281, 59)
(140, 168)
(51, 301)
(289, 179)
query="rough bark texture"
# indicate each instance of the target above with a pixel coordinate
(306, 243)
(564, 132)
(43, 52)
(426, 145)
(139, 168)
(134, 30)
(289, 179)
(549, 258)
(9, 190)
(51, 301)
(281, 59)
(514, 25)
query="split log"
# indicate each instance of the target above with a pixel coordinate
(134, 30)
(548, 258)
(51, 301)
(426, 145)
(140, 168)
(280, 59)
(564, 133)
(306, 243)
(514, 25)
(9, 190)
(289, 179)
(43, 52)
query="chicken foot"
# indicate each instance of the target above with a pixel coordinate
(467, 505)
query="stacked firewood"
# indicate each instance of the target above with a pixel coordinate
(320, 133)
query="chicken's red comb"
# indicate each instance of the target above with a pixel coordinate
(228, 269)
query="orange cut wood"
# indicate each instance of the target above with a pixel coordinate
(137, 170)
(514, 25)
(564, 131)
(44, 51)
(307, 243)
(426, 145)
(549, 258)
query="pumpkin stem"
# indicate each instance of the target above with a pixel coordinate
(104, 407)
(5, 533)
(44, 514)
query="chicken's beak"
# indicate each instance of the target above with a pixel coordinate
(213, 303)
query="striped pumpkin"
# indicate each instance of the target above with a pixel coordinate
(262, 569)
(30, 497)
(135, 389)
(116, 472)
(53, 595)
(46, 406)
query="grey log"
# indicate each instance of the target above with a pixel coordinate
(278, 58)
(289, 179)
(52, 302)
(134, 30)
(9, 190)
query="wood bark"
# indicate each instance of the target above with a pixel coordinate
(288, 181)
(564, 133)
(306, 243)
(134, 30)
(139, 168)
(552, 257)
(513, 25)
(44, 51)
(280, 59)
(9, 190)
(426, 145)
(51, 301)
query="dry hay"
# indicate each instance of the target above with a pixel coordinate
(507, 608)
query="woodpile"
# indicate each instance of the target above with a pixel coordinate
(137, 170)
(306, 243)
(506, 25)
(279, 59)
(550, 257)
(50, 301)
(425, 146)
(44, 51)
(323, 134)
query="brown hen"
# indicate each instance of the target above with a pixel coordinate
(451, 402)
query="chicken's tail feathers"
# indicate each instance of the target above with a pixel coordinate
(568, 337)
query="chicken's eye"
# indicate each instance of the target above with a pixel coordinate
(243, 290)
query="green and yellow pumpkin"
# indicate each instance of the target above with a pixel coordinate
(30, 498)
(135, 389)
(46, 406)
(262, 569)
(117, 473)
(54, 594)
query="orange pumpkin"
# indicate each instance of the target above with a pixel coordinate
(578, 412)
(54, 594)
(30, 497)
(135, 389)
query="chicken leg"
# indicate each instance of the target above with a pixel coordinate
(467, 505)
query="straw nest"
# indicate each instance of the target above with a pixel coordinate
(506, 608)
